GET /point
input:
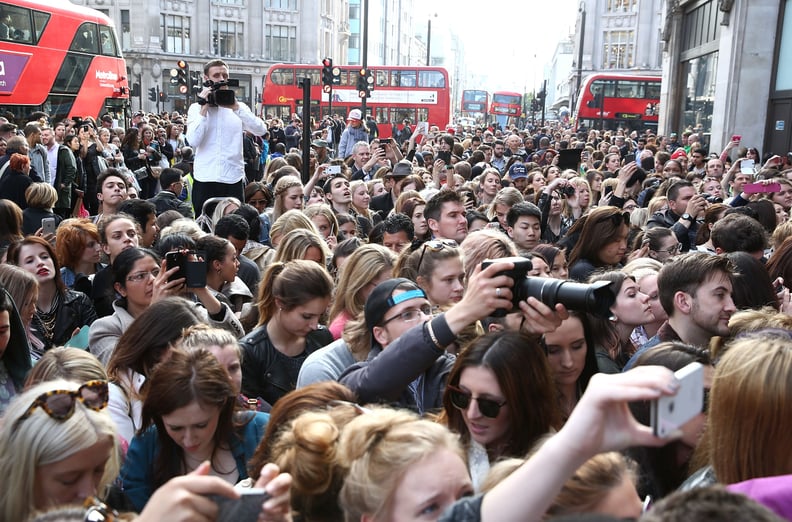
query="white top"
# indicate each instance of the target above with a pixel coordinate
(126, 411)
(217, 140)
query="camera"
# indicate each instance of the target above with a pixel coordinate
(567, 191)
(596, 298)
(712, 199)
(191, 264)
(219, 96)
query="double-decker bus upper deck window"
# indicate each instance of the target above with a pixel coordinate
(629, 89)
(282, 76)
(381, 78)
(431, 79)
(345, 77)
(108, 44)
(15, 24)
(403, 78)
(86, 40)
(39, 23)
(652, 90)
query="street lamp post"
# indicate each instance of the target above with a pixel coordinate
(582, 10)
(429, 40)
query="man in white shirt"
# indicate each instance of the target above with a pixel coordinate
(215, 131)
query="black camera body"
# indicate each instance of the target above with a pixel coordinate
(712, 199)
(567, 191)
(596, 298)
(220, 97)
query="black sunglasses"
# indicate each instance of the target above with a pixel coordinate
(435, 245)
(59, 404)
(461, 400)
(616, 219)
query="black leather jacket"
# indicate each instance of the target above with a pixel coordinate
(75, 311)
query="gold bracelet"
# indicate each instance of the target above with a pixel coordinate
(432, 335)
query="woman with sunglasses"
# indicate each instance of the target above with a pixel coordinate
(60, 312)
(612, 337)
(437, 267)
(500, 397)
(57, 446)
(602, 243)
(189, 417)
(661, 242)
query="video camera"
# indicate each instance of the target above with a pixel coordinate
(596, 298)
(219, 96)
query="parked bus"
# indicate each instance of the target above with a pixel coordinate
(506, 107)
(415, 93)
(59, 58)
(474, 102)
(628, 101)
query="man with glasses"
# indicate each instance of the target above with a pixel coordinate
(172, 183)
(408, 362)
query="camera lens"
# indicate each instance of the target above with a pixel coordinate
(596, 298)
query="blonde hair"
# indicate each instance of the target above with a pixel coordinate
(364, 265)
(292, 220)
(656, 203)
(71, 364)
(185, 226)
(485, 244)
(38, 440)
(204, 336)
(642, 267)
(283, 185)
(781, 232)
(324, 211)
(508, 196)
(377, 449)
(219, 210)
(296, 243)
(41, 195)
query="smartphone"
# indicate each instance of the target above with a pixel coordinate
(191, 266)
(333, 169)
(747, 166)
(385, 141)
(629, 158)
(756, 188)
(244, 509)
(444, 155)
(48, 225)
(669, 413)
(736, 137)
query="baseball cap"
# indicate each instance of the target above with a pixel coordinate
(382, 299)
(402, 168)
(138, 113)
(518, 171)
(319, 143)
(679, 153)
(355, 114)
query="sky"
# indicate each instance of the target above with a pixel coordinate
(509, 44)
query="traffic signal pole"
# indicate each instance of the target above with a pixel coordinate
(364, 63)
(305, 85)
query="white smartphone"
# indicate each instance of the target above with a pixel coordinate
(48, 225)
(669, 413)
(333, 169)
(747, 166)
(245, 509)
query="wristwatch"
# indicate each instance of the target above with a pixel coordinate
(686, 217)
(200, 101)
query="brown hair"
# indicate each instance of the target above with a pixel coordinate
(292, 283)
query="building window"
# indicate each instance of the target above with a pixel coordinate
(227, 38)
(354, 41)
(621, 6)
(699, 92)
(175, 34)
(283, 5)
(617, 49)
(281, 43)
(126, 35)
(354, 11)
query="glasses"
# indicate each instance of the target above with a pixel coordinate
(141, 276)
(461, 401)
(434, 245)
(676, 249)
(411, 314)
(59, 404)
(616, 219)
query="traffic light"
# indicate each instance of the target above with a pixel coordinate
(152, 94)
(163, 96)
(362, 86)
(135, 90)
(336, 75)
(327, 74)
(195, 85)
(181, 75)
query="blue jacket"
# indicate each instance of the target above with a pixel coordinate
(136, 474)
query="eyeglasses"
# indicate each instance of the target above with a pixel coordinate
(461, 400)
(141, 276)
(676, 249)
(411, 314)
(59, 404)
(616, 219)
(434, 245)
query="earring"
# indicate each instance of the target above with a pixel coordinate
(613, 319)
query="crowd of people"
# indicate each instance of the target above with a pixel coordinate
(187, 310)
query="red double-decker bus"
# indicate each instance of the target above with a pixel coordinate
(59, 58)
(610, 101)
(416, 93)
(474, 102)
(506, 107)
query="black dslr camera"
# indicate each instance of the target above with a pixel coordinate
(596, 298)
(567, 191)
(221, 97)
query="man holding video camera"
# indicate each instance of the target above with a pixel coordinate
(215, 128)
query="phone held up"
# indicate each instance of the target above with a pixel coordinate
(48, 225)
(191, 266)
(245, 509)
(669, 413)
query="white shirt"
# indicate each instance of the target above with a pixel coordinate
(217, 140)
(52, 158)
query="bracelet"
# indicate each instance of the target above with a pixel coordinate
(432, 335)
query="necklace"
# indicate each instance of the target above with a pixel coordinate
(45, 321)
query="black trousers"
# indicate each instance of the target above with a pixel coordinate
(203, 190)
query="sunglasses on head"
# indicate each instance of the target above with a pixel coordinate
(60, 404)
(617, 219)
(461, 401)
(435, 245)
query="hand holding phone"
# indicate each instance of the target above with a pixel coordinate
(245, 509)
(747, 166)
(48, 225)
(756, 188)
(669, 413)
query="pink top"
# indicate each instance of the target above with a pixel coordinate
(337, 325)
